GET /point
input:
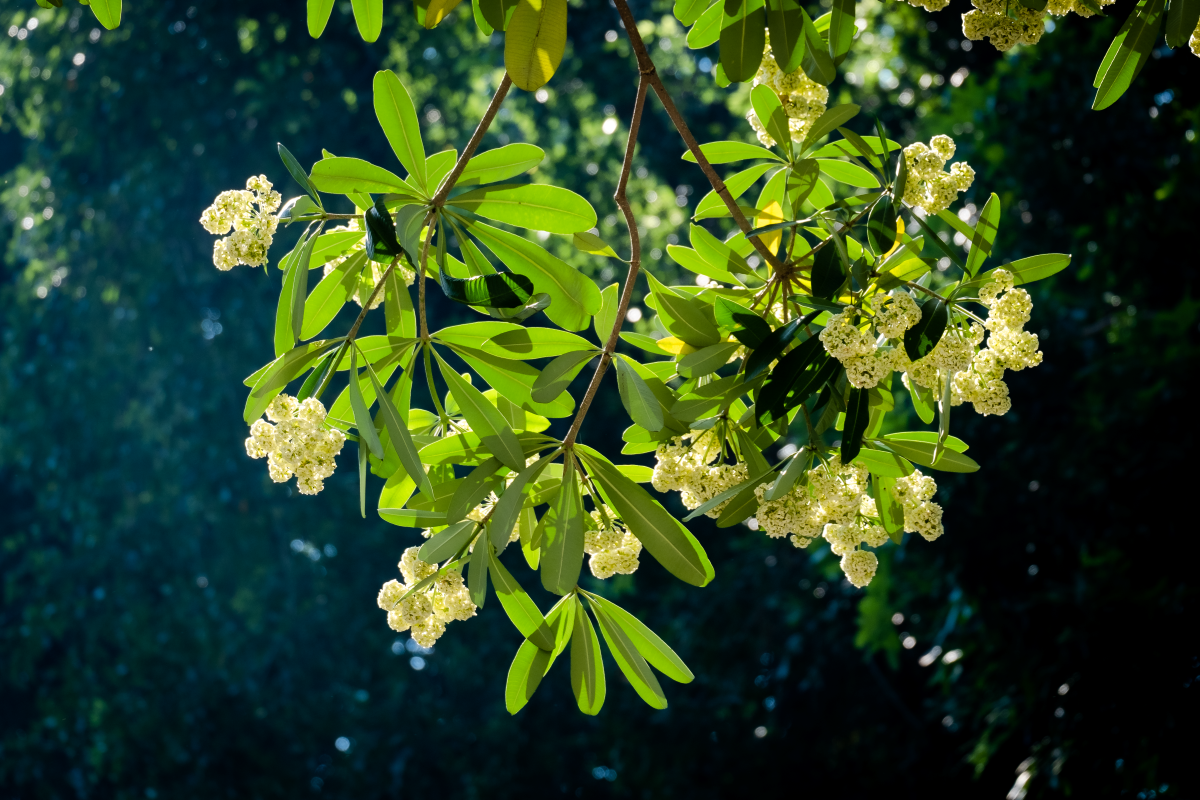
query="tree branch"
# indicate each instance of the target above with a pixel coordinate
(648, 71)
(635, 263)
(468, 151)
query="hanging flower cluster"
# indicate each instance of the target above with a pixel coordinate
(803, 99)
(688, 469)
(613, 549)
(249, 213)
(425, 613)
(991, 19)
(298, 443)
(921, 515)
(929, 187)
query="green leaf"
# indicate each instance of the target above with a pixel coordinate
(501, 163)
(688, 11)
(828, 272)
(382, 244)
(574, 297)
(691, 260)
(606, 318)
(834, 117)
(1128, 53)
(588, 242)
(711, 205)
(816, 62)
(498, 290)
(484, 418)
(951, 442)
(647, 642)
(847, 146)
(786, 376)
(924, 336)
(786, 25)
(881, 225)
(707, 360)
(398, 117)
(280, 372)
(891, 513)
(558, 374)
(508, 507)
(727, 152)
(447, 542)
(1024, 270)
(771, 348)
(841, 28)
(888, 465)
(1182, 20)
(497, 13)
(300, 285)
(922, 453)
(647, 343)
(526, 343)
(587, 671)
(858, 414)
(947, 250)
(533, 46)
(350, 175)
(331, 294)
(769, 111)
(683, 316)
(922, 400)
(397, 428)
(400, 318)
(707, 29)
(293, 166)
(535, 206)
(525, 675)
(984, 234)
(285, 308)
(665, 537)
(514, 380)
(743, 25)
(412, 518)
(362, 416)
(629, 660)
(847, 173)
(108, 12)
(472, 490)
(318, 16)
(368, 15)
(477, 573)
(787, 479)
(520, 608)
(639, 401)
(562, 543)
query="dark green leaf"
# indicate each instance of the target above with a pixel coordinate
(881, 225)
(772, 346)
(743, 25)
(984, 234)
(477, 573)
(499, 290)
(382, 244)
(639, 401)
(841, 28)
(786, 25)
(447, 542)
(397, 428)
(362, 416)
(498, 13)
(931, 236)
(786, 375)
(293, 166)
(1182, 20)
(816, 62)
(828, 272)
(924, 336)
(558, 374)
(1128, 53)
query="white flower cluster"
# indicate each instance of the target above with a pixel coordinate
(951, 355)
(929, 5)
(803, 99)
(921, 514)
(425, 613)
(688, 469)
(1009, 347)
(928, 186)
(1194, 42)
(366, 284)
(298, 443)
(253, 229)
(865, 361)
(832, 502)
(1060, 8)
(613, 549)
(991, 19)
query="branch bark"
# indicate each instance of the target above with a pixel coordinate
(468, 151)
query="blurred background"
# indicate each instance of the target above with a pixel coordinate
(173, 624)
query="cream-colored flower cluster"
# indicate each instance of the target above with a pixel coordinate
(832, 502)
(865, 361)
(298, 443)
(1193, 42)
(803, 99)
(1060, 8)
(951, 355)
(688, 469)
(613, 549)
(991, 19)
(425, 613)
(929, 5)
(1009, 347)
(253, 228)
(929, 186)
(921, 514)
(367, 283)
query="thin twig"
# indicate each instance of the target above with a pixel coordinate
(366, 306)
(635, 263)
(648, 70)
(468, 151)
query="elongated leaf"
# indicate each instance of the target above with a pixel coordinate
(606, 318)
(293, 166)
(707, 359)
(498, 290)
(847, 173)
(477, 572)
(828, 272)
(520, 608)
(750, 483)
(647, 642)
(587, 671)
(431, 12)
(769, 110)
(331, 294)
(514, 380)
(707, 29)
(786, 375)
(318, 16)
(639, 401)
(280, 372)
(285, 308)
(921, 338)
(891, 513)
(484, 418)
(881, 226)
(562, 543)
(1025, 270)
(351, 175)
(536, 206)
(300, 284)
(688, 11)
(108, 12)
(951, 442)
(412, 518)
(786, 25)
(398, 117)
(558, 374)
(533, 46)
(362, 416)
(508, 507)
(683, 316)
(922, 453)
(629, 660)
(397, 428)
(1182, 19)
(984, 234)
(501, 164)
(1128, 53)
(711, 205)
(834, 117)
(727, 152)
(665, 537)
(526, 343)
(382, 244)
(368, 15)
(787, 479)
(497, 13)
(816, 62)
(447, 542)
(888, 465)
(855, 145)
(771, 348)
(574, 297)
(525, 675)
(743, 25)
(841, 28)
(472, 490)
(922, 400)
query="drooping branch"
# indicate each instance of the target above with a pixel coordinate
(635, 263)
(649, 71)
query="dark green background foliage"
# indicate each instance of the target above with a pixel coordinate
(160, 635)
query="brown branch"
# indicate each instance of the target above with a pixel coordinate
(648, 70)
(468, 151)
(635, 262)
